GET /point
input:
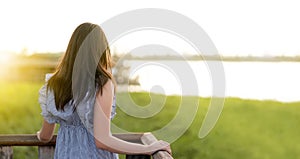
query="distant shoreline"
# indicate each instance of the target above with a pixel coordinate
(54, 57)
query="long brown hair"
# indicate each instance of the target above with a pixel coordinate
(61, 82)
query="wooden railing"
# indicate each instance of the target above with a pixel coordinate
(46, 150)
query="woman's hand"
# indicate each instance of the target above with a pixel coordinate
(160, 145)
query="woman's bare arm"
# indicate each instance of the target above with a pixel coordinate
(102, 133)
(46, 132)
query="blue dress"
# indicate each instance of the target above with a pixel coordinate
(75, 138)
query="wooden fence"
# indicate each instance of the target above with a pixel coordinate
(46, 150)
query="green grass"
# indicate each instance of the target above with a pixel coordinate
(19, 113)
(247, 129)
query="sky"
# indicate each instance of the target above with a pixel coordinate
(237, 28)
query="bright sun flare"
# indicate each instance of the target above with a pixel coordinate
(5, 58)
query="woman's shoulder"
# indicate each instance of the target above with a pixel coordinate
(48, 76)
(47, 104)
(45, 93)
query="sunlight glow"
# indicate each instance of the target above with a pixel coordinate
(5, 58)
(136, 39)
(257, 28)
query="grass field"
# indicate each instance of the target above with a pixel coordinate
(247, 129)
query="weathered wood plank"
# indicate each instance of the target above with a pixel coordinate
(6, 152)
(24, 140)
(32, 140)
(46, 152)
(148, 139)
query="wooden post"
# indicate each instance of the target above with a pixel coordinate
(46, 152)
(6, 152)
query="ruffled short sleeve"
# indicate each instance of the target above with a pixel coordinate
(47, 104)
(48, 116)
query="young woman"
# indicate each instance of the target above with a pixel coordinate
(80, 97)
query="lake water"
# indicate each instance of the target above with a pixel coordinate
(252, 80)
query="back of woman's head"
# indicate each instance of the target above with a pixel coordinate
(84, 67)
